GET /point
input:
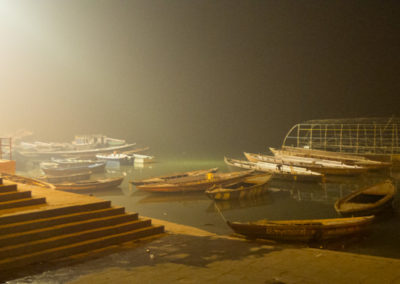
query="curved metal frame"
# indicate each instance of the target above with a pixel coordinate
(358, 136)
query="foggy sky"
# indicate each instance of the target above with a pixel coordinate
(205, 77)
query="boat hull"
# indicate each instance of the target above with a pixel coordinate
(59, 171)
(248, 188)
(74, 153)
(367, 201)
(326, 167)
(304, 231)
(166, 178)
(90, 185)
(66, 178)
(194, 183)
(279, 171)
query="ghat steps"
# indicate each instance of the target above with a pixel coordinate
(35, 229)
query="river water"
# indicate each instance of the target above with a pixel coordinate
(285, 201)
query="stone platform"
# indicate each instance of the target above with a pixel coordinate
(39, 224)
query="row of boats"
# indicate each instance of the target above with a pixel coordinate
(306, 164)
(362, 205)
(68, 172)
(69, 166)
(75, 174)
(358, 209)
(84, 147)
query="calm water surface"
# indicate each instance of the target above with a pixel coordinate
(287, 200)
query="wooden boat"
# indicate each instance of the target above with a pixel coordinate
(116, 157)
(367, 201)
(26, 180)
(278, 170)
(166, 178)
(89, 184)
(74, 153)
(66, 178)
(55, 169)
(72, 162)
(195, 183)
(328, 155)
(323, 166)
(303, 230)
(249, 187)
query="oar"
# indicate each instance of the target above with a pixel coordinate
(219, 211)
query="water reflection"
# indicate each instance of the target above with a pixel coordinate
(238, 204)
(284, 201)
(174, 197)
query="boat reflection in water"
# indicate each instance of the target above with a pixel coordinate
(172, 197)
(137, 164)
(327, 192)
(235, 204)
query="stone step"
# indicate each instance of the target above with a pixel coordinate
(83, 246)
(61, 219)
(8, 196)
(8, 187)
(21, 203)
(21, 217)
(63, 229)
(65, 239)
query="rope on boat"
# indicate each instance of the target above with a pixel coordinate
(219, 211)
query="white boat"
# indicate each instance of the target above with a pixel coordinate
(96, 140)
(143, 158)
(116, 157)
(278, 170)
(328, 155)
(314, 164)
(72, 162)
(75, 153)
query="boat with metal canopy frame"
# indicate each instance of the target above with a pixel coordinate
(376, 138)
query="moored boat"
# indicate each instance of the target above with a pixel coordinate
(26, 180)
(249, 187)
(91, 152)
(90, 184)
(315, 230)
(66, 178)
(367, 201)
(166, 178)
(140, 158)
(55, 169)
(116, 157)
(195, 183)
(319, 165)
(279, 171)
(72, 162)
(329, 155)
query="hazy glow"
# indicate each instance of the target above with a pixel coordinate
(193, 75)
